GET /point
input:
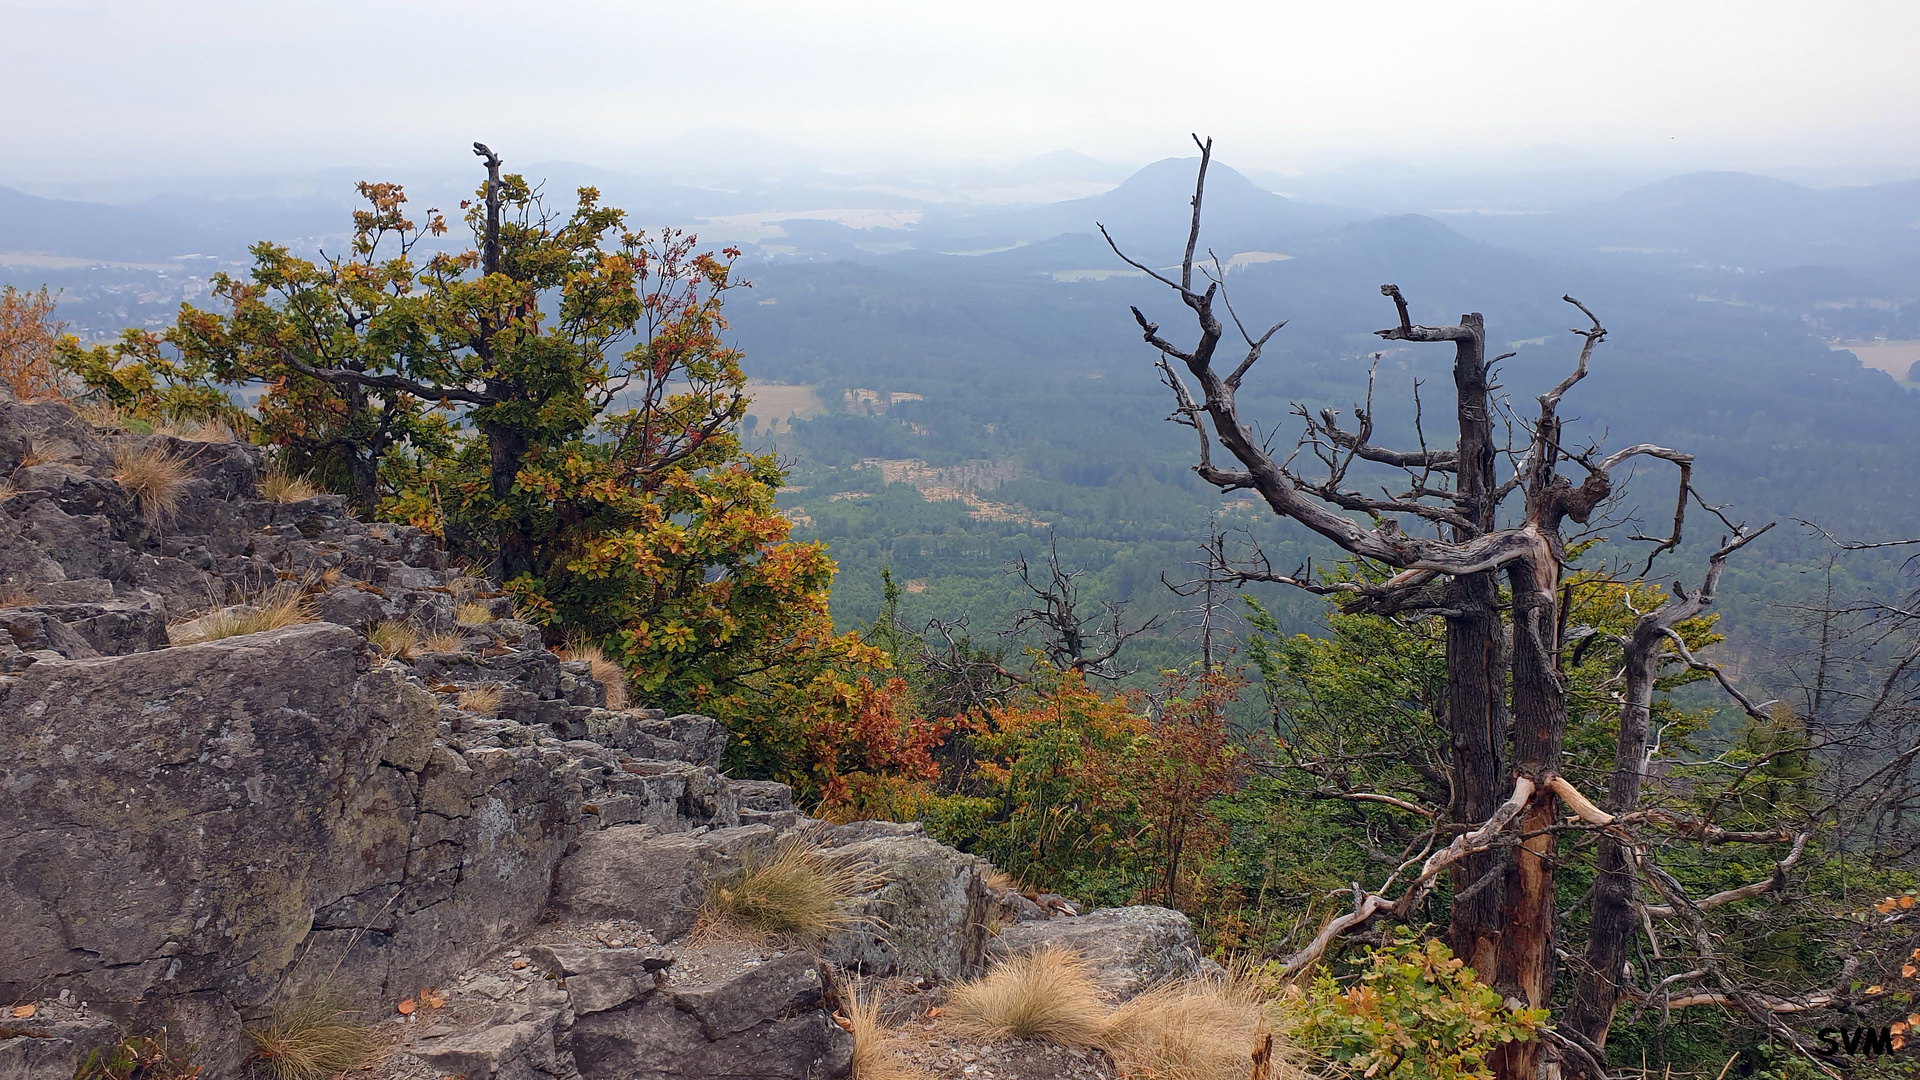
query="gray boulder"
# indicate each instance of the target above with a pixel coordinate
(635, 872)
(1129, 948)
(514, 1042)
(769, 1023)
(926, 915)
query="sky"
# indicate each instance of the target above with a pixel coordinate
(137, 87)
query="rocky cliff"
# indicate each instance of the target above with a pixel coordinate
(191, 834)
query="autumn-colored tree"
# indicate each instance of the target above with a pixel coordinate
(515, 338)
(559, 401)
(28, 333)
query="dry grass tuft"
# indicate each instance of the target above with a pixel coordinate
(1048, 995)
(602, 668)
(792, 889)
(471, 614)
(153, 476)
(47, 452)
(315, 1040)
(12, 596)
(481, 700)
(875, 1053)
(102, 415)
(395, 640)
(443, 641)
(276, 486)
(248, 619)
(999, 880)
(1195, 1029)
(212, 431)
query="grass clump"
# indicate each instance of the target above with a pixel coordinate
(1195, 1029)
(443, 641)
(153, 477)
(276, 486)
(395, 640)
(481, 700)
(875, 1055)
(268, 614)
(47, 452)
(792, 889)
(314, 1040)
(12, 596)
(472, 614)
(1048, 994)
(602, 668)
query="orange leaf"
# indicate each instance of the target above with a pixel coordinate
(1907, 971)
(405, 1007)
(21, 1012)
(1875, 989)
(1906, 902)
(846, 1025)
(1884, 906)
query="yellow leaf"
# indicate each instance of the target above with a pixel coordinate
(1875, 989)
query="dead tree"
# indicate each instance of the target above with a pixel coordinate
(1070, 640)
(1446, 536)
(1210, 619)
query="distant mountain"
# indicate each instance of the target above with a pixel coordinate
(1066, 165)
(1149, 211)
(31, 224)
(1731, 219)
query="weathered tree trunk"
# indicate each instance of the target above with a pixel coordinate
(1613, 924)
(506, 446)
(1539, 726)
(1476, 669)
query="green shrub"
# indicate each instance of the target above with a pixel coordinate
(1415, 1013)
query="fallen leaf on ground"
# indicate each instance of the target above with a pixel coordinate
(21, 1012)
(405, 1007)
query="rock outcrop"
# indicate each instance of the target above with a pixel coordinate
(192, 834)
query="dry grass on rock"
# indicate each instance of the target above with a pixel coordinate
(1196, 1029)
(480, 700)
(878, 1054)
(1048, 994)
(277, 487)
(472, 614)
(443, 641)
(256, 618)
(153, 476)
(602, 668)
(395, 640)
(47, 452)
(792, 889)
(314, 1040)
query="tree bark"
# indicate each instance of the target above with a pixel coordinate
(1539, 726)
(1476, 667)
(1614, 922)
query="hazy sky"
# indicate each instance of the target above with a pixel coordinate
(133, 87)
